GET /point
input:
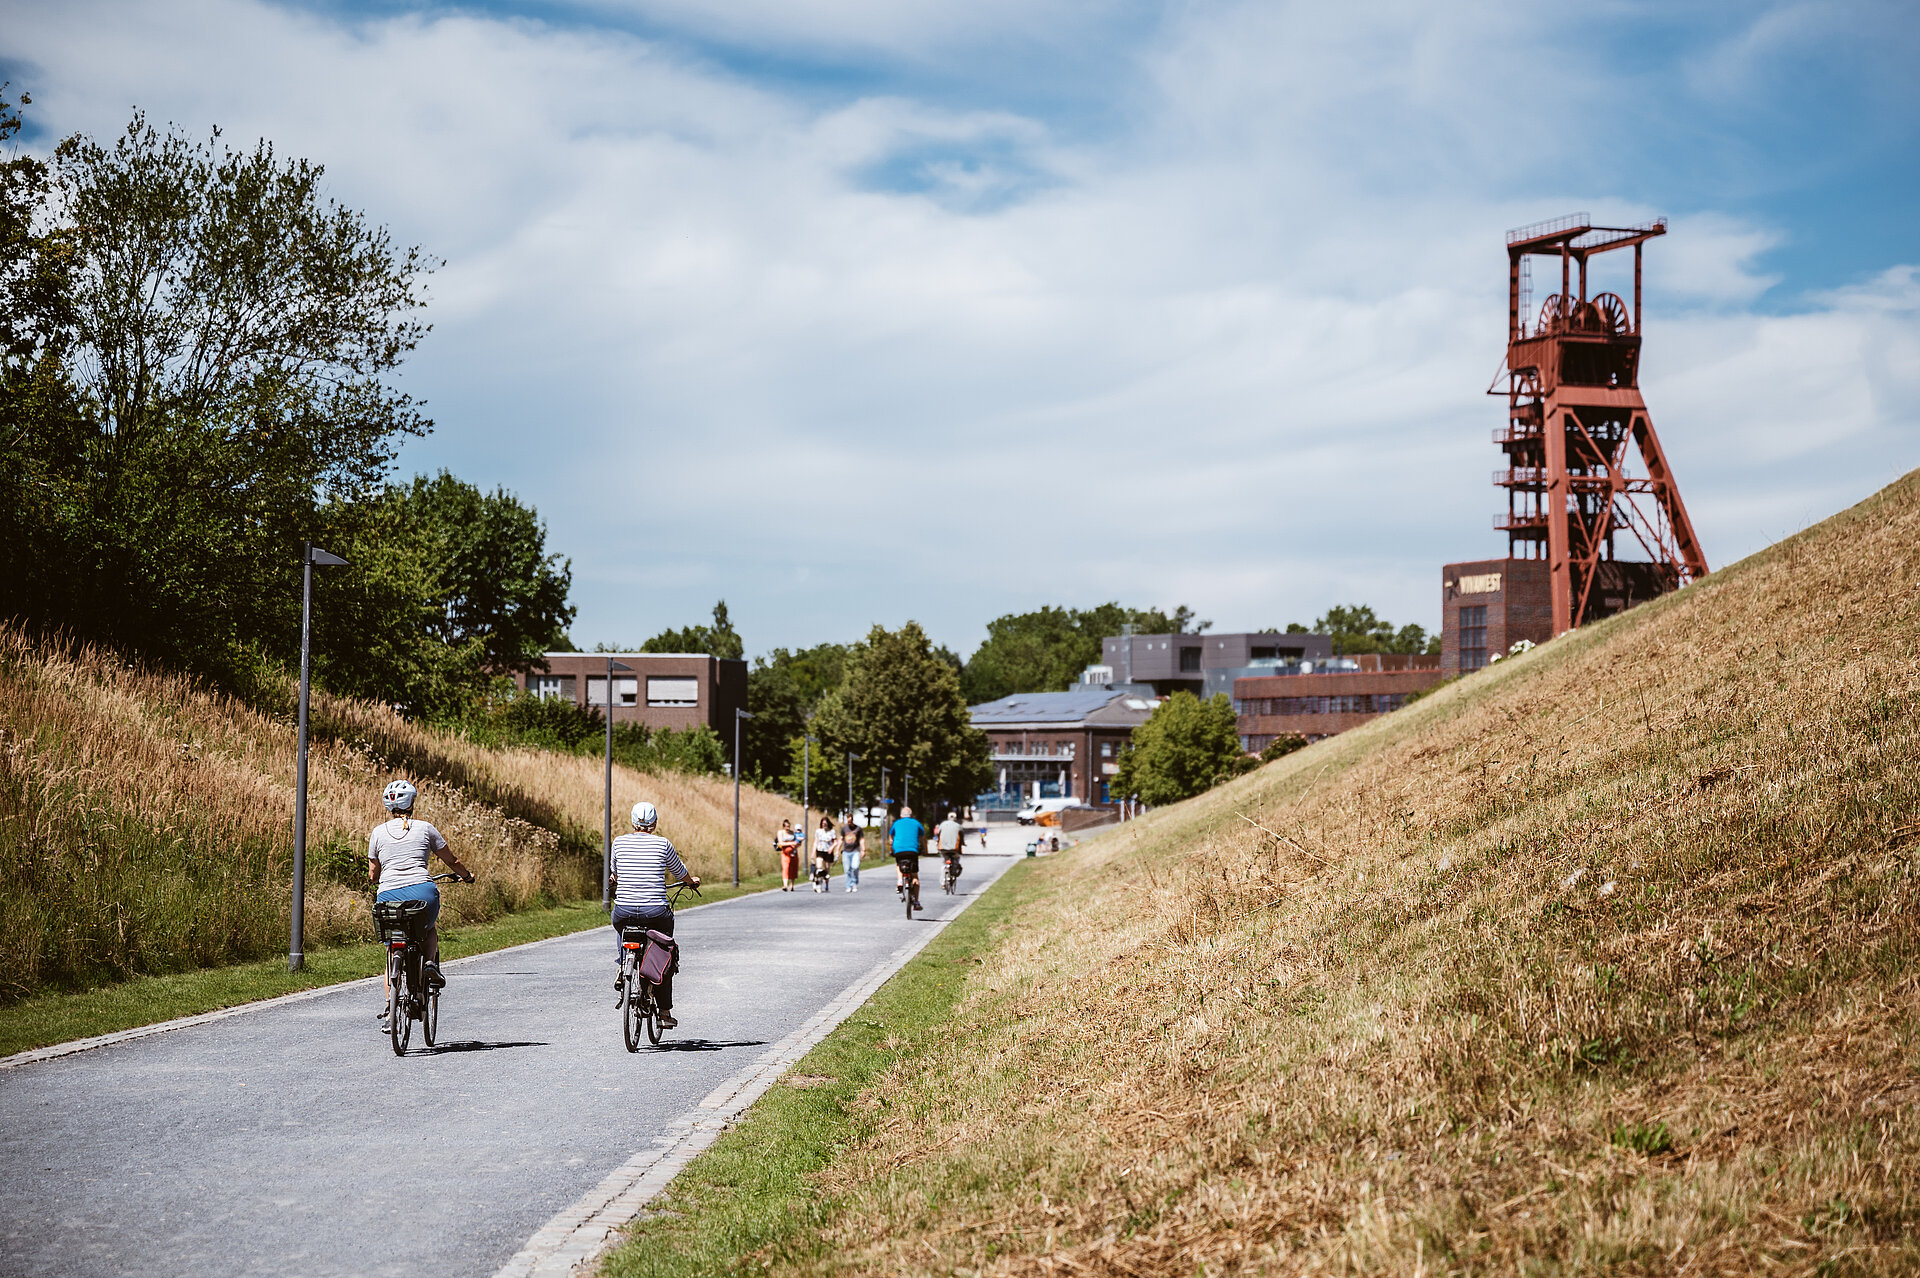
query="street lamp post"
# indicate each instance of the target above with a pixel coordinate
(310, 555)
(806, 798)
(851, 756)
(906, 789)
(606, 856)
(738, 715)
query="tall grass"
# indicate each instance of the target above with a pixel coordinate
(1605, 960)
(145, 819)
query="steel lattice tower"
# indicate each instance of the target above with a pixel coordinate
(1573, 406)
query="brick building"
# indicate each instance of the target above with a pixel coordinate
(1060, 744)
(1318, 704)
(1203, 664)
(1489, 605)
(663, 690)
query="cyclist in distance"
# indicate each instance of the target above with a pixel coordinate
(641, 861)
(907, 836)
(948, 839)
(400, 852)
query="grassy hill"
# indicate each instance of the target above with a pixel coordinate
(1602, 960)
(146, 821)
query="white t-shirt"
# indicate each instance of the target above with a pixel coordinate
(404, 847)
(824, 842)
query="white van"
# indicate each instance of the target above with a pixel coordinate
(1045, 808)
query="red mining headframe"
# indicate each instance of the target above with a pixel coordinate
(1573, 403)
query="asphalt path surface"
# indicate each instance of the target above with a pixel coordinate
(292, 1141)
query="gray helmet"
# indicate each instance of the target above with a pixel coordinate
(399, 796)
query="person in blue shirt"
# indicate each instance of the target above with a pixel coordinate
(907, 835)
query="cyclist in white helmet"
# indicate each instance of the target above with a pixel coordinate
(641, 862)
(400, 853)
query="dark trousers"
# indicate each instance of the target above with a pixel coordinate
(659, 922)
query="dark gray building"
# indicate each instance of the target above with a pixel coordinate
(1205, 664)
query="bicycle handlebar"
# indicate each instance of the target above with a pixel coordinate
(447, 876)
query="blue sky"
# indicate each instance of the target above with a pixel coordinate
(854, 311)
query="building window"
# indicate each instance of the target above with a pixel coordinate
(1353, 703)
(1189, 661)
(670, 691)
(545, 686)
(1106, 749)
(626, 691)
(1473, 637)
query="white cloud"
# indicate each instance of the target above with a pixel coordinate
(947, 361)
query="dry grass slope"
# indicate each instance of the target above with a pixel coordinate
(145, 821)
(1514, 980)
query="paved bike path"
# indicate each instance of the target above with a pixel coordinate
(292, 1141)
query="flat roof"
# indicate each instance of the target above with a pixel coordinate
(1076, 705)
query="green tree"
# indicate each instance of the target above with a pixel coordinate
(1187, 746)
(901, 708)
(226, 340)
(448, 587)
(1045, 650)
(717, 640)
(1356, 628)
(783, 690)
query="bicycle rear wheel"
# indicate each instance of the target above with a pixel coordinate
(396, 1005)
(430, 1019)
(630, 1011)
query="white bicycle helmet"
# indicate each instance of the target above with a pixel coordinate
(644, 816)
(399, 796)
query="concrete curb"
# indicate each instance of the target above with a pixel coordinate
(573, 1240)
(35, 1055)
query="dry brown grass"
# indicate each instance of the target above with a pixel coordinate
(1514, 980)
(146, 821)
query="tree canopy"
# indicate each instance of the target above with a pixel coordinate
(1045, 650)
(717, 640)
(783, 690)
(899, 706)
(1356, 628)
(198, 355)
(1186, 747)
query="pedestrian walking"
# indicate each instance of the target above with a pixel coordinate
(824, 843)
(853, 841)
(787, 844)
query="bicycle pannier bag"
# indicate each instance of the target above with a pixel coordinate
(659, 957)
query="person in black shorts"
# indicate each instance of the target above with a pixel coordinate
(906, 837)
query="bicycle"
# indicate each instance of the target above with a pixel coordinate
(950, 874)
(410, 996)
(646, 958)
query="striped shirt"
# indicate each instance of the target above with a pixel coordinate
(641, 863)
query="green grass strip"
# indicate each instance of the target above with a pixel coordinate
(59, 1018)
(746, 1204)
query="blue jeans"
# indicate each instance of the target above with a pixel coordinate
(852, 858)
(428, 892)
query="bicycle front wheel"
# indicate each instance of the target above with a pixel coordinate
(653, 1017)
(430, 1019)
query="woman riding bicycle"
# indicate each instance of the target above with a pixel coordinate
(400, 853)
(641, 861)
